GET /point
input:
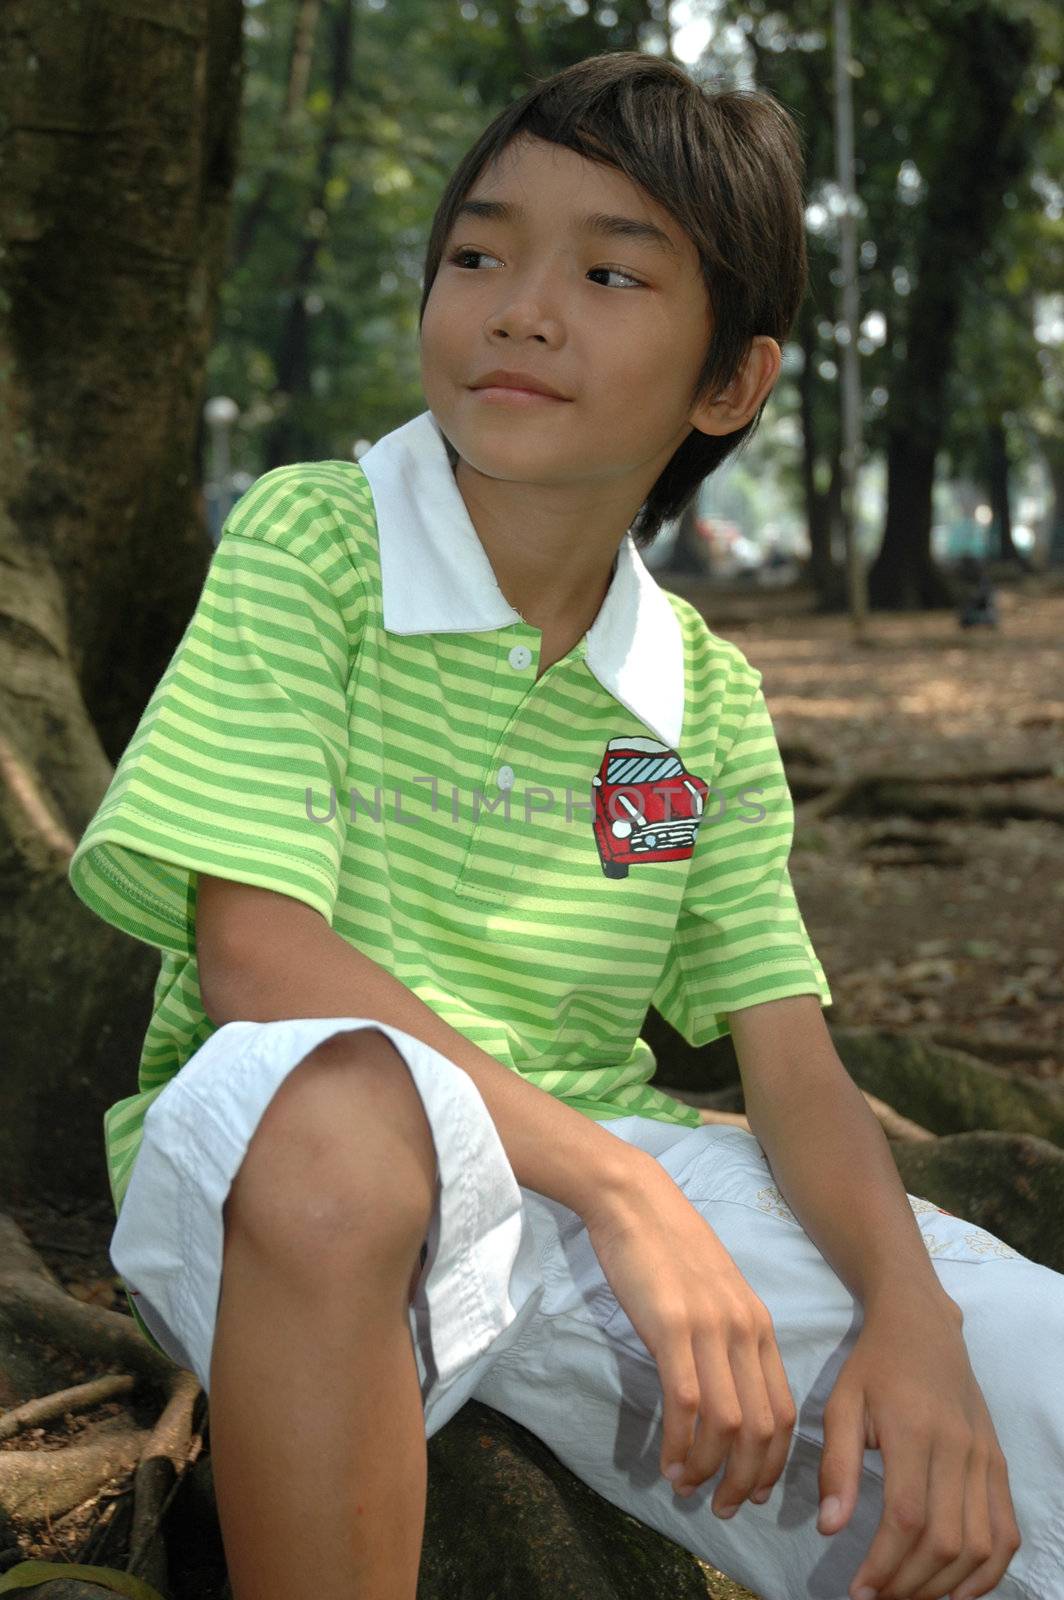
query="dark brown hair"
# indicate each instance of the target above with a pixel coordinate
(725, 163)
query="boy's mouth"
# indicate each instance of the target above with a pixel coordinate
(522, 382)
(520, 397)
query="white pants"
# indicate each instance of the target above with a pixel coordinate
(513, 1309)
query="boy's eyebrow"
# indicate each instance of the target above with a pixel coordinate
(601, 222)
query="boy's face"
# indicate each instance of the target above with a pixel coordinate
(619, 325)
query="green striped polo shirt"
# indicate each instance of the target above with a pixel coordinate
(352, 717)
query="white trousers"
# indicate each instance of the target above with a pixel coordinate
(512, 1308)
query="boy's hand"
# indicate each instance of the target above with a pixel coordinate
(907, 1389)
(725, 1392)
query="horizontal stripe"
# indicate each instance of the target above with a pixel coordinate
(504, 923)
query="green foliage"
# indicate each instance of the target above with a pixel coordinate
(424, 80)
(907, 99)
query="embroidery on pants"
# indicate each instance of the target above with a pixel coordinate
(770, 1199)
(920, 1206)
(979, 1242)
(984, 1244)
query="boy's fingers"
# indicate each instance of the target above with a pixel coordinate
(978, 1534)
(941, 1552)
(746, 1458)
(906, 1457)
(698, 1397)
(1004, 1533)
(842, 1458)
(783, 1407)
(680, 1396)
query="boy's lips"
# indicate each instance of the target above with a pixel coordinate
(521, 382)
(519, 397)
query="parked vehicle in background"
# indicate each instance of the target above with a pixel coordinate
(731, 553)
(779, 569)
(728, 555)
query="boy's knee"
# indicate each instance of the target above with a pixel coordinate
(342, 1167)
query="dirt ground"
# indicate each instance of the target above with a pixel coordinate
(953, 927)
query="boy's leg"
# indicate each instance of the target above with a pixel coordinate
(581, 1379)
(316, 1420)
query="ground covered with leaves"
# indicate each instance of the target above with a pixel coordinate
(949, 925)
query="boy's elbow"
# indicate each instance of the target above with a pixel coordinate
(224, 938)
(249, 950)
(239, 981)
(218, 994)
(246, 985)
(223, 983)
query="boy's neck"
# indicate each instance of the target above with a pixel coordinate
(553, 564)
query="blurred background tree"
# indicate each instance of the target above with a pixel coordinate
(957, 105)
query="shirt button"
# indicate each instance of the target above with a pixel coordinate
(520, 657)
(506, 777)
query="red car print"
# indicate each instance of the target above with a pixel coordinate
(647, 805)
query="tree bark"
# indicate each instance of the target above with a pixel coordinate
(117, 139)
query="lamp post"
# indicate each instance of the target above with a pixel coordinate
(220, 412)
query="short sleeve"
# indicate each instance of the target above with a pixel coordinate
(740, 939)
(241, 752)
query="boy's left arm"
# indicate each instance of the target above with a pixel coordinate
(907, 1388)
(829, 1155)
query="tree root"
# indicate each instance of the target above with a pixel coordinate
(894, 1125)
(910, 845)
(51, 1406)
(45, 1332)
(36, 1485)
(929, 795)
(987, 1047)
(172, 1447)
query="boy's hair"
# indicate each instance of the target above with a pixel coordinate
(725, 163)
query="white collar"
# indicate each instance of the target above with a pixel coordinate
(436, 578)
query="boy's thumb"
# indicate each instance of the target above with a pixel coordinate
(841, 1460)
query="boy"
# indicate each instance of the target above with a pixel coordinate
(345, 1251)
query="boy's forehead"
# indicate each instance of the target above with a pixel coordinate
(576, 189)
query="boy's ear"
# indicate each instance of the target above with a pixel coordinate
(734, 407)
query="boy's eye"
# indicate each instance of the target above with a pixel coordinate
(457, 257)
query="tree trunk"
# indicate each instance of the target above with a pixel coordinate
(1053, 451)
(904, 576)
(118, 133)
(688, 553)
(983, 152)
(997, 482)
(301, 55)
(289, 438)
(825, 575)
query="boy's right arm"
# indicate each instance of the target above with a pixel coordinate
(264, 956)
